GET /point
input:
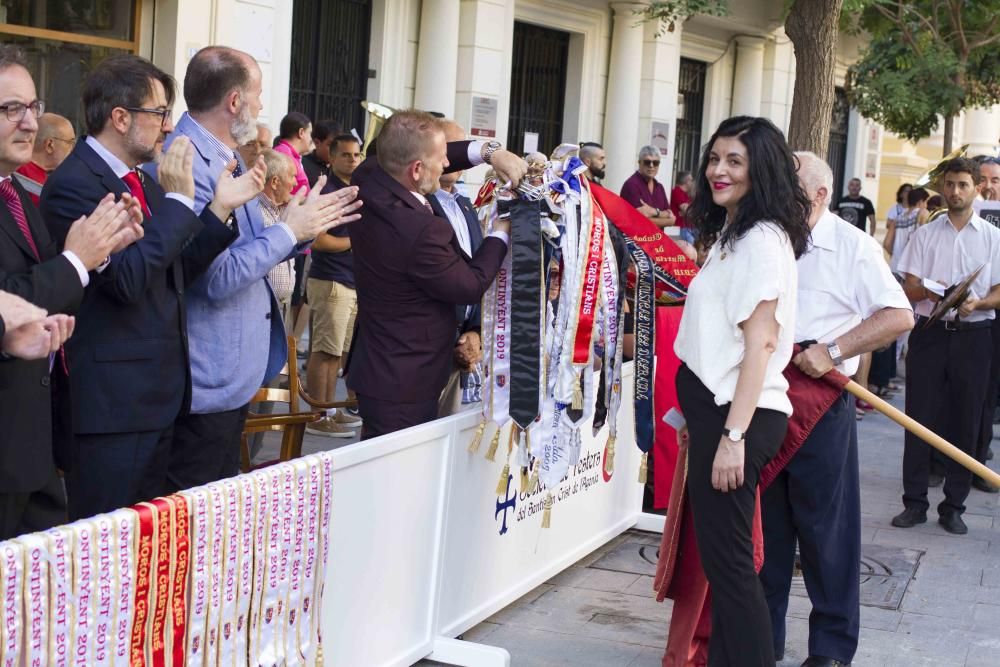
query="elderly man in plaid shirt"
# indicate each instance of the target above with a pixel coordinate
(278, 185)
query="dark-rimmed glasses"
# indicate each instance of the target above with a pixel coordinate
(651, 163)
(162, 113)
(16, 111)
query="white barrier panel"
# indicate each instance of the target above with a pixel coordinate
(422, 548)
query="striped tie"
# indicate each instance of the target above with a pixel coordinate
(9, 194)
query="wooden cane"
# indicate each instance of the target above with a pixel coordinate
(924, 433)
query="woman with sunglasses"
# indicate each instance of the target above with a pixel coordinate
(647, 194)
(735, 339)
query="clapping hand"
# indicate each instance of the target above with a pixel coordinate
(311, 214)
(92, 238)
(39, 339)
(16, 312)
(131, 229)
(231, 193)
(175, 171)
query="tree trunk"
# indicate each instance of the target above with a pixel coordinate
(949, 134)
(812, 26)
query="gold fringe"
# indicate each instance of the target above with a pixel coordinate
(547, 514)
(534, 476)
(609, 456)
(643, 469)
(502, 482)
(577, 396)
(477, 439)
(525, 482)
(491, 453)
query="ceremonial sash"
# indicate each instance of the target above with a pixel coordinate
(501, 352)
(106, 554)
(84, 589)
(300, 472)
(324, 541)
(59, 542)
(231, 573)
(644, 337)
(269, 624)
(163, 587)
(36, 599)
(126, 532)
(590, 286)
(527, 287)
(311, 546)
(181, 560)
(248, 527)
(144, 561)
(200, 527)
(216, 567)
(12, 578)
(561, 360)
(262, 527)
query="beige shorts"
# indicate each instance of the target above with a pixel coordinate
(334, 307)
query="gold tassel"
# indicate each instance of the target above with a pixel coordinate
(502, 482)
(577, 396)
(643, 469)
(525, 482)
(477, 439)
(547, 514)
(609, 456)
(491, 453)
(534, 476)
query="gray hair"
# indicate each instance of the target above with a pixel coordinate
(590, 149)
(814, 173)
(649, 151)
(278, 164)
(11, 55)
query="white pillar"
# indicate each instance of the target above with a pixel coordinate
(981, 131)
(748, 81)
(437, 58)
(621, 119)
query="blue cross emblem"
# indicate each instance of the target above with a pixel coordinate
(510, 502)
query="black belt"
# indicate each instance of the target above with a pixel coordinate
(955, 325)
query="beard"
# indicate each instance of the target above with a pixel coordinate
(138, 151)
(596, 172)
(243, 128)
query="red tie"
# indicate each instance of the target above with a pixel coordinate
(135, 187)
(14, 204)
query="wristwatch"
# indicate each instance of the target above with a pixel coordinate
(835, 354)
(657, 213)
(488, 149)
(734, 434)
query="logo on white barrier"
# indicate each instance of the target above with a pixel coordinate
(586, 476)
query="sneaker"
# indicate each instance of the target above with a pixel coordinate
(331, 429)
(345, 418)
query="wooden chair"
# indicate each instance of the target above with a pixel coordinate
(292, 424)
(294, 384)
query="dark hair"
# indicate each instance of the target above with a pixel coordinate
(681, 175)
(292, 123)
(124, 80)
(10, 56)
(901, 190)
(775, 193)
(591, 144)
(322, 129)
(935, 202)
(961, 165)
(916, 196)
(212, 74)
(343, 138)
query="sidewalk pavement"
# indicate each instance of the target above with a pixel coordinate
(601, 611)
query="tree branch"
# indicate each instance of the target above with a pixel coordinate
(991, 31)
(956, 19)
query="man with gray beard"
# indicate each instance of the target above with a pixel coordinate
(236, 336)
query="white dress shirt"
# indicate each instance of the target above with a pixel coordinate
(457, 219)
(939, 252)
(843, 279)
(759, 267)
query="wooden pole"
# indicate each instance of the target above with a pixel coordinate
(924, 433)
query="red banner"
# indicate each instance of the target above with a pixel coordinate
(668, 322)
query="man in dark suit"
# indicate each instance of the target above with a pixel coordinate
(31, 496)
(410, 271)
(129, 370)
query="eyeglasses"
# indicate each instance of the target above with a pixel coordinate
(650, 163)
(162, 113)
(16, 111)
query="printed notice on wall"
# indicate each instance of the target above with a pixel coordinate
(484, 117)
(530, 142)
(660, 136)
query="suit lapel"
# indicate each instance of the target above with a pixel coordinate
(9, 226)
(472, 221)
(39, 233)
(100, 168)
(441, 213)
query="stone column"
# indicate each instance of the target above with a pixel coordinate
(437, 58)
(748, 81)
(981, 131)
(621, 119)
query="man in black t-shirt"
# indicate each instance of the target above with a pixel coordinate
(333, 300)
(856, 209)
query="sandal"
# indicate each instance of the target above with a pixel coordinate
(859, 414)
(864, 406)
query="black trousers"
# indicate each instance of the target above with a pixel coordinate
(31, 512)
(816, 500)
(947, 374)
(113, 470)
(992, 389)
(741, 625)
(206, 448)
(883, 366)
(381, 417)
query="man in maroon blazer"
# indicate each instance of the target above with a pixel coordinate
(411, 272)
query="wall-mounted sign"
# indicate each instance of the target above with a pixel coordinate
(484, 117)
